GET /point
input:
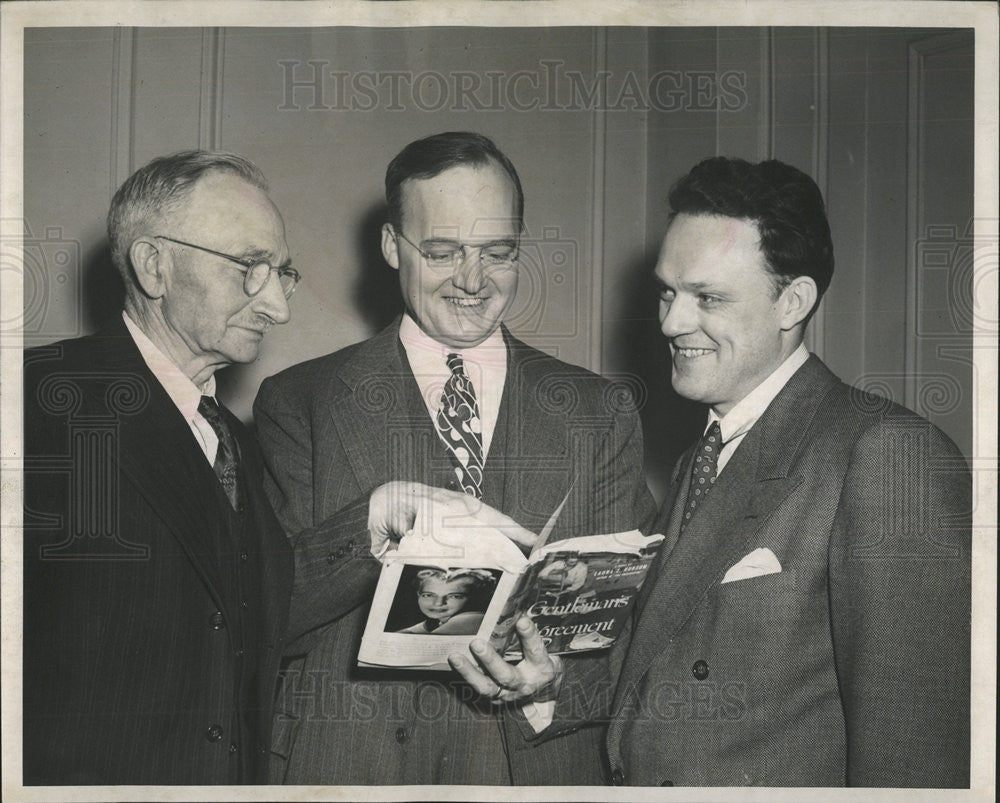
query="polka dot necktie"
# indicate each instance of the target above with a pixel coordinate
(227, 455)
(703, 471)
(459, 425)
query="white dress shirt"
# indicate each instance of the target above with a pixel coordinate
(737, 422)
(485, 365)
(182, 391)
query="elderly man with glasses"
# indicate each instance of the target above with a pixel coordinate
(445, 397)
(156, 577)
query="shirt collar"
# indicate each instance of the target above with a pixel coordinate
(746, 412)
(182, 391)
(492, 351)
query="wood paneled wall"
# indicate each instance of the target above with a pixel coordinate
(599, 122)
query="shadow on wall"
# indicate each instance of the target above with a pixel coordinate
(670, 422)
(102, 291)
(376, 291)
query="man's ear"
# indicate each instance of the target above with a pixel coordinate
(797, 300)
(390, 248)
(147, 264)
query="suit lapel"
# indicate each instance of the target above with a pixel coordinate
(159, 455)
(521, 434)
(758, 477)
(384, 399)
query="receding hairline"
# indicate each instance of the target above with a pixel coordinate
(490, 162)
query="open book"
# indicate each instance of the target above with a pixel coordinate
(455, 578)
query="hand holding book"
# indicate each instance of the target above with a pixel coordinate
(535, 678)
(393, 509)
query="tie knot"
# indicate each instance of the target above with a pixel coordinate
(714, 434)
(455, 364)
(208, 407)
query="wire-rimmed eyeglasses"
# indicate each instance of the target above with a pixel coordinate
(445, 253)
(256, 272)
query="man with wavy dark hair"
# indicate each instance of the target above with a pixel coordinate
(447, 397)
(156, 577)
(807, 621)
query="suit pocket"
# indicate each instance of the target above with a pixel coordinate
(757, 609)
(284, 730)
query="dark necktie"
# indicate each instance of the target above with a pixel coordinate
(227, 455)
(459, 424)
(703, 470)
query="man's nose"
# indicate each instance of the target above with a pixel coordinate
(469, 275)
(271, 300)
(677, 317)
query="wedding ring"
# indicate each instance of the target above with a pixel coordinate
(497, 693)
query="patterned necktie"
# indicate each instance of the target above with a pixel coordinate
(459, 425)
(227, 455)
(703, 471)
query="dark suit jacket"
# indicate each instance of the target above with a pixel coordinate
(335, 428)
(850, 666)
(132, 614)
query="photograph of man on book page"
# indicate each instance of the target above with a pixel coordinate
(564, 575)
(445, 602)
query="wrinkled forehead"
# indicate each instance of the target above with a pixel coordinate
(466, 203)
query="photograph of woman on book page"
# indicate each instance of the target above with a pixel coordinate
(451, 601)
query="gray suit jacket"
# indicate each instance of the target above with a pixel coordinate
(332, 430)
(850, 666)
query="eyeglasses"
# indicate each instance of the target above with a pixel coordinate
(445, 253)
(256, 272)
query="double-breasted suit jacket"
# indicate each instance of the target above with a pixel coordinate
(849, 665)
(153, 611)
(335, 428)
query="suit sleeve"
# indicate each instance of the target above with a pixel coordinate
(621, 500)
(900, 561)
(334, 570)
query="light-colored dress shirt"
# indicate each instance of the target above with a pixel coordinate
(182, 391)
(737, 422)
(485, 365)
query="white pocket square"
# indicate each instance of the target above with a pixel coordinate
(759, 562)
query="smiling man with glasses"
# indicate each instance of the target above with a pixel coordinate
(156, 577)
(448, 398)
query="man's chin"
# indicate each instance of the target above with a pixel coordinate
(465, 337)
(243, 353)
(686, 386)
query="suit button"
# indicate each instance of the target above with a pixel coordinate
(244, 556)
(667, 782)
(401, 735)
(233, 747)
(618, 777)
(700, 670)
(240, 509)
(217, 621)
(452, 485)
(214, 733)
(331, 558)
